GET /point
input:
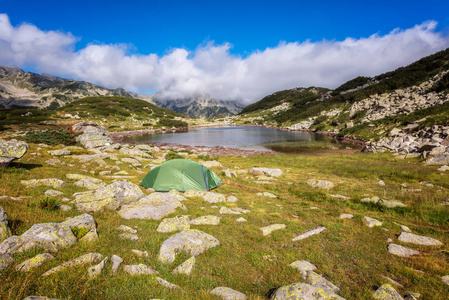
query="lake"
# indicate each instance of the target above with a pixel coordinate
(245, 137)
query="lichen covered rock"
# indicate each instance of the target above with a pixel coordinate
(212, 197)
(267, 230)
(5, 261)
(386, 292)
(88, 258)
(226, 293)
(192, 241)
(408, 237)
(303, 291)
(186, 267)
(266, 171)
(139, 269)
(52, 182)
(57, 233)
(178, 223)
(34, 262)
(5, 232)
(206, 220)
(11, 150)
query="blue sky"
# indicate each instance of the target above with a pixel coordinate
(229, 49)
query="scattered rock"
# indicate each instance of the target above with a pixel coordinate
(34, 262)
(39, 298)
(320, 282)
(178, 223)
(52, 182)
(192, 241)
(370, 222)
(53, 193)
(139, 269)
(303, 266)
(140, 253)
(346, 216)
(64, 207)
(303, 291)
(11, 150)
(405, 228)
(267, 194)
(167, 284)
(212, 197)
(229, 173)
(340, 197)
(193, 193)
(407, 237)
(309, 233)
(154, 206)
(387, 292)
(84, 221)
(94, 271)
(226, 293)
(88, 258)
(265, 171)
(232, 199)
(88, 184)
(129, 236)
(206, 220)
(445, 279)
(401, 251)
(324, 184)
(212, 163)
(59, 234)
(60, 152)
(5, 261)
(186, 267)
(241, 220)
(116, 261)
(5, 232)
(440, 159)
(127, 229)
(269, 229)
(93, 135)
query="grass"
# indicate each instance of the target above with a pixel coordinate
(351, 255)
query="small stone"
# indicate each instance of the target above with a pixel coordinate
(53, 193)
(94, 271)
(309, 233)
(206, 220)
(445, 279)
(65, 207)
(265, 171)
(60, 152)
(167, 284)
(370, 222)
(407, 237)
(83, 259)
(186, 267)
(212, 197)
(226, 293)
(232, 199)
(401, 251)
(34, 262)
(39, 298)
(387, 292)
(346, 216)
(340, 197)
(303, 266)
(323, 184)
(52, 182)
(116, 261)
(129, 236)
(241, 219)
(139, 269)
(103, 173)
(127, 229)
(140, 253)
(405, 228)
(227, 211)
(5, 261)
(269, 229)
(267, 194)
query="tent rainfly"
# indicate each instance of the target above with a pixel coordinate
(181, 175)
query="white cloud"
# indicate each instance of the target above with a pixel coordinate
(211, 68)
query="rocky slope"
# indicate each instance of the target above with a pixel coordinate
(19, 89)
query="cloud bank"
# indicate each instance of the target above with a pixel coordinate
(212, 69)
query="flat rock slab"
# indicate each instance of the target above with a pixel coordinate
(309, 233)
(167, 284)
(178, 223)
(267, 194)
(34, 262)
(52, 182)
(226, 293)
(408, 237)
(303, 291)
(206, 220)
(186, 267)
(152, 207)
(228, 211)
(88, 258)
(270, 228)
(127, 229)
(212, 197)
(129, 236)
(139, 269)
(192, 241)
(370, 222)
(401, 250)
(110, 197)
(265, 171)
(323, 184)
(346, 216)
(57, 233)
(386, 292)
(5, 261)
(59, 152)
(319, 281)
(303, 266)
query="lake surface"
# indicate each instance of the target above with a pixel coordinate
(245, 137)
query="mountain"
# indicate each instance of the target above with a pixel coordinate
(200, 106)
(368, 108)
(20, 89)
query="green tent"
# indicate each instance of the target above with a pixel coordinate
(181, 175)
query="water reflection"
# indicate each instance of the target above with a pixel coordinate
(244, 137)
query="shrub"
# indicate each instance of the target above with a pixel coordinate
(48, 204)
(49, 137)
(207, 157)
(172, 155)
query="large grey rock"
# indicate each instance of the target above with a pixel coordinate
(440, 159)
(5, 232)
(34, 262)
(110, 197)
(88, 258)
(265, 171)
(5, 261)
(408, 237)
(303, 266)
(15, 244)
(386, 292)
(92, 135)
(83, 221)
(303, 291)
(226, 293)
(59, 234)
(11, 150)
(178, 223)
(192, 241)
(401, 250)
(154, 206)
(134, 152)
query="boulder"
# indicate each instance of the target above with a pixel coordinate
(34, 262)
(401, 251)
(408, 237)
(15, 244)
(386, 292)
(266, 171)
(59, 234)
(154, 206)
(226, 293)
(5, 232)
(11, 150)
(303, 291)
(88, 258)
(192, 241)
(186, 267)
(178, 223)
(92, 135)
(110, 197)
(83, 221)
(440, 159)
